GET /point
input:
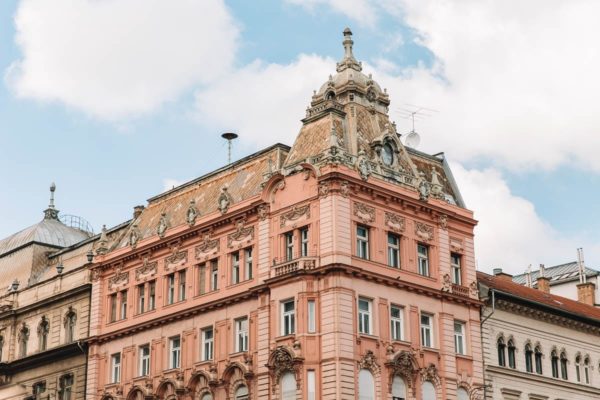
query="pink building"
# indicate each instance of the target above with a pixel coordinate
(341, 268)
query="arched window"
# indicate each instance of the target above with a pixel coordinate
(65, 387)
(366, 385)
(554, 361)
(578, 368)
(586, 370)
(70, 320)
(462, 394)
(207, 396)
(428, 391)
(398, 388)
(43, 330)
(288, 386)
(538, 360)
(501, 352)
(563, 366)
(23, 339)
(528, 358)
(511, 354)
(241, 393)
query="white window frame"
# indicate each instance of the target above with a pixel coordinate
(397, 323)
(460, 343)
(362, 242)
(141, 293)
(115, 368)
(311, 384)
(423, 259)
(241, 334)
(208, 344)
(174, 352)
(426, 330)
(289, 245)
(214, 276)
(123, 304)
(456, 266)
(181, 277)
(312, 316)
(304, 241)
(171, 288)
(393, 250)
(248, 273)
(144, 360)
(288, 318)
(365, 317)
(151, 295)
(235, 268)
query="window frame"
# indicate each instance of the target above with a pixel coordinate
(426, 330)
(423, 264)
(311, 314)
(304, 241)
(397, 323)
(141, 297)
(365, 317)
(288, 243)
(115, 368)
(248, 263)
(456, 268)
(208, 344)
(144, 360)
(362, 242)
(235, 268)
(288, 318)
(393, 250)
(151, 295)
(123, 297)
(175, 352)
(460, 338)
(242, 336)
(181, 282)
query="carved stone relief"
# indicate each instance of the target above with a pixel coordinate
(162, 225)
(117, 280)
(134, 236)
(148, 269)
(208, 247)
(395, 222)
(423, 231)
(192, 213)
(456, 245)
(176, 259)
(323, 189)
(443, 221)
(297, 213)
(242, 234)
(225, 200)
(364, 212)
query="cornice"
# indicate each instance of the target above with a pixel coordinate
(45, 357)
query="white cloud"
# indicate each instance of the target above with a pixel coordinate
(117, 59)
(264, 102)
(170, 183)
(511, 234)
(359, 10)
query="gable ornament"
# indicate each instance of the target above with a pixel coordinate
(225, 200)
(192, 213)
(162, 225)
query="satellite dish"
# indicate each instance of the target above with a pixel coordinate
(412, 139)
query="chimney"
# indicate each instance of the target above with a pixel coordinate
(543, 283)
(586, 293)
(137, 210)
(502, 275)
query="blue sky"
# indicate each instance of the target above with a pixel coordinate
(525, 159)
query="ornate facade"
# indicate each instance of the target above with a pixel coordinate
(340, 268)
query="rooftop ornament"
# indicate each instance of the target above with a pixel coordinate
(51, 212)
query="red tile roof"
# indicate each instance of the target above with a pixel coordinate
(559, 303)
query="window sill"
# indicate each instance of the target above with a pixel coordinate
(139, 315)
(205, 294)
(464, 356)
(174, 303)
(239, 283)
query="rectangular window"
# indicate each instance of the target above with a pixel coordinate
(38, 389)
(396, 315)
(214, 275)
(141, 290)
(202, 279)
(393, 250)
(304, 242)
(181, 285)
(289, 246)
(144, 360)
(151, 295)
(207, 344)
(459, 338)
(312, 317)
(241, 334)
(124, 304)
(115, 365)
(175, 352)
(235, 268)
(423, 259)
(288, 318)
(364, 316)
(170, 289)
(311, 385)
(113, 307)
(426, 330)
(455, 260)
(362, 242)
(248, 264)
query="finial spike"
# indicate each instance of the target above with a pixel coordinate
(348, 42)
(51, 212)
(52, 190)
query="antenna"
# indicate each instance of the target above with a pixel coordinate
(229, 136)
(414, 113)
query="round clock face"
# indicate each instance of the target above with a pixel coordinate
(388, 154)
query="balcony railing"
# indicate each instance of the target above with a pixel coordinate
(460, 290)
(300, 263)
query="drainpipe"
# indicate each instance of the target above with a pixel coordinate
(485, 384)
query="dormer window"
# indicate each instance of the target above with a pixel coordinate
(387, 154)
(330, 95)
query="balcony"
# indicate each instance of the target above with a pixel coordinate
(460, 290)
(299, 263)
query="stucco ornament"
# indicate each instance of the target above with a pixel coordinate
(424, 231)
(363, 166)
(364, 212)
(134, 236)
(395, 222)
(243, 234)
(323, 189)
(424, 188)
(192, 213)
(430, 373)
(282, 360)
(443, 221)
(162, 225)
(263, 212)
(474, 289)
(369, 361)
(447, 283)
(345, 188)
(405, 365)
(102, 242)
(297, 213)
(437, 190)
(225, 200)
(147, 269)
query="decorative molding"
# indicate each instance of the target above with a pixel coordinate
(295, 214)
(176, 259)
(345, 188)
(443, 221)
(364, 212)
(208, 247)
(148, 269)
(405, 365)
(323, 189)
(263, 212)
(118, 279)
(282, 360)
(395, 222)
(456, 245)
(242, 234)
(423, 231)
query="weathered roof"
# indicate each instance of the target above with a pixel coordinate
(50, 232)
(509, 288)
(557, 274)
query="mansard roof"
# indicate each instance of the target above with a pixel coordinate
(557, 274)
(538, 299)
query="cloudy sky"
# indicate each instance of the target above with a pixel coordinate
(116, 100)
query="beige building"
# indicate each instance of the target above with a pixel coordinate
(44, 308)
(536, 345)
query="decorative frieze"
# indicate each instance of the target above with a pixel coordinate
(263, 211)
(364, 213)
(148, 269)
(119, 279)
(208, 248)
(456, 245)
(242, 235)
(296, 214)
(323, 189)
(395, 222)
(423, 231)
(176, 259)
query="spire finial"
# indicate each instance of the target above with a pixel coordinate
(51, 212)
(348, 42)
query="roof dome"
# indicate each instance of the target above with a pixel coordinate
(349, 72)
